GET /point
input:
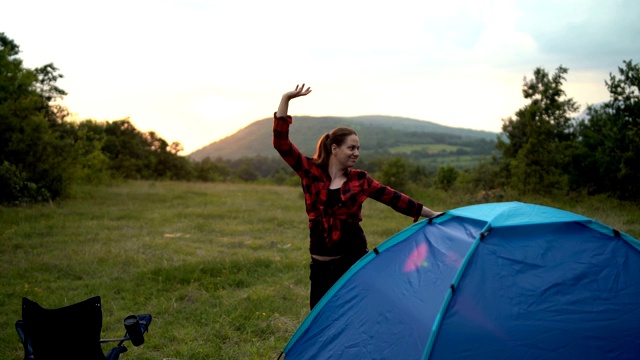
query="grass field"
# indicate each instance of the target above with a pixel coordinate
(457, 161)
(429, 148)
(223, 268)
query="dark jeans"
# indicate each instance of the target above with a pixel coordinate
(323, 274)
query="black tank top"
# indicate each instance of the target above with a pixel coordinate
(352, 241)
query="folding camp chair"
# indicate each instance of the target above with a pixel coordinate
(73, 332)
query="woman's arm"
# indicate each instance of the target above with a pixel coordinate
(428, 213)
(281, 142)
(397, 200)
(283, 108)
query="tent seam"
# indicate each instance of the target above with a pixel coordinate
(445, 304)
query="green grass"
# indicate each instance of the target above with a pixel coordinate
(429, 148)
(457, 161)
(223, 268)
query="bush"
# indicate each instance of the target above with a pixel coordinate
(446, 177)
(15, 189)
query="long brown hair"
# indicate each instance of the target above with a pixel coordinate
(336, 137)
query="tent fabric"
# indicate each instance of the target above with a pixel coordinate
(491, 281)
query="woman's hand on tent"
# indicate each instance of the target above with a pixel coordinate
(428, 213)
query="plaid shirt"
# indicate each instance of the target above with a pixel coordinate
(355, 190)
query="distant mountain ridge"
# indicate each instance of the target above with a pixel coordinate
(378, 133)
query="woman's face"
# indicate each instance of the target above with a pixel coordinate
(347, 154)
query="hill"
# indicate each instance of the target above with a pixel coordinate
(379, 136)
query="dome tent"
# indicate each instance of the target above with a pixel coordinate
(492, 281)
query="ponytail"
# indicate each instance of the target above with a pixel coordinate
(323, 150)
(336, 137)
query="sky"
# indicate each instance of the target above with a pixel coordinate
(196, 71)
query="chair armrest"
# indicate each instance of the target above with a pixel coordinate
(26, 342)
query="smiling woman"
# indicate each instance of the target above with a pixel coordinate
(334, 193)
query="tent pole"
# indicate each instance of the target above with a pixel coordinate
(445, 304)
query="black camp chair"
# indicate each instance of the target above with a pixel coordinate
(73, 332)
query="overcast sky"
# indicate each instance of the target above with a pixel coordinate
(198, 70)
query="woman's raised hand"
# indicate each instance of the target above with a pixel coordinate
(284, 102)
(299, 91)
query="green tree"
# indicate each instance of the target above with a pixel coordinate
(418, 175)
(89, 138)
(167, 163)
(127, 150)
(394, 173)
(35, 150)
(211, 171)
(134, 154)
(446, 177)
(540, 138)
(608, 160)
(486, 176)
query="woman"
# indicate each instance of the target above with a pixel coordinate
(334, 193)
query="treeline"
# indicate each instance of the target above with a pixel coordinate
(543, 148)
(546, 150)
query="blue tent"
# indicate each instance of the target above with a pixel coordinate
(491, 281)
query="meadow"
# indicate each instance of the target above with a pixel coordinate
(429, 148)
(223, 268)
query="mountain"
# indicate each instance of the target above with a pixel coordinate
(378, 135)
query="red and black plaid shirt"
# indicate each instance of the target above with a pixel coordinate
(355, 190)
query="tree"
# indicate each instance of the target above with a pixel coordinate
(394, 173)
(134, 154)
(126, 148)
(540, 138)
(35, 146)
(446, 177)
(209, 170)
(608, 160)
(94, 168)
